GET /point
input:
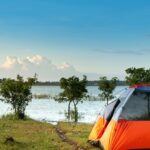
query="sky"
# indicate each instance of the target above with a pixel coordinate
(56, 38)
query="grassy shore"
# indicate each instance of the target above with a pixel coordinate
(33, 135)
(78, 133)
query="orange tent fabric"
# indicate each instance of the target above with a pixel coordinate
(125, 125)
(131, 135)
(98, 129)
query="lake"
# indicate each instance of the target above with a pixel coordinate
(51, 111)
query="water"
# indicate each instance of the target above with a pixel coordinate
(51, 111)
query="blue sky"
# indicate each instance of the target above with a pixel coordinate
(102, 37)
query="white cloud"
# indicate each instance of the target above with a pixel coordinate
(30, 65)
(46, 70)
(37, 59)
(65, 65)
(10, 62)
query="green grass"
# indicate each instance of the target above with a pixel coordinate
(32, 135)
(29, 135)
(78, 133)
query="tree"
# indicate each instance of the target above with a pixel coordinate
(17, 93)
(107, 87)
(74, 90)
(137, 76)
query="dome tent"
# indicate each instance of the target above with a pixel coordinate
(125, 123)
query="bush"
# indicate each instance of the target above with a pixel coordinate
(17, 93)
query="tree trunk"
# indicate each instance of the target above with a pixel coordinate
(107, 101)
(18, 112)
(15, 110)
(14, 107)
(69, 111)
(75, 113)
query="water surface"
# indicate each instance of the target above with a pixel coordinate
(51, 111)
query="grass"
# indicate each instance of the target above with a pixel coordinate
(78, 133)
(32, 135)
(29, 135)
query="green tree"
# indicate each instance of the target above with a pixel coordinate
(74, 90)
(106, 87)
(137, 76)
(17, 93)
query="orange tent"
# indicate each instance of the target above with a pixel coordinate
(125, 123)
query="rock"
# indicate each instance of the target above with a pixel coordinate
(9, 140)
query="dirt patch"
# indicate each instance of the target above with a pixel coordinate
(63, 137)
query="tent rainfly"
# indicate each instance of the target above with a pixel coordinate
(125, 122)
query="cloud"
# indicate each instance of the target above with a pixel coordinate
(65, 65)
(10, 62)
(46, 70)
(37, 59)
(111, 51)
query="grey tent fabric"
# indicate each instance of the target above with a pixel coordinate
(110, 108)
(133, 105)
(136, 107)
(124, 97)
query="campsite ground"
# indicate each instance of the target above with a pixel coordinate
(29, 134)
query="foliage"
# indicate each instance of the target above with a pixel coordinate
(74, 90)
(137, 76)
(107, 87)
(42, 96)
(17, 93)
(12, 116)
(72, 115)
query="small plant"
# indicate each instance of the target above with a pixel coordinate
(72, 115)
(42, 96)
(12, 116)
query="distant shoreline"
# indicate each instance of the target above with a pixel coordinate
(90, 83)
